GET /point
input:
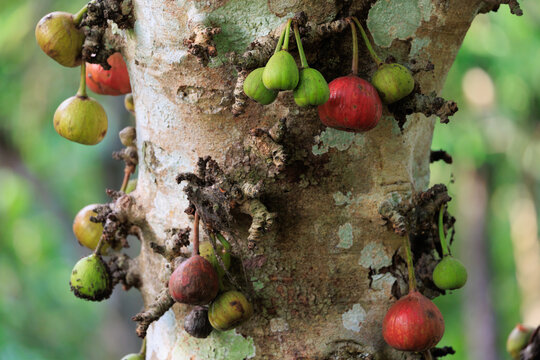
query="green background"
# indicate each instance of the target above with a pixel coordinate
(45, 180)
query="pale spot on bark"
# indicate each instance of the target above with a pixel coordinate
(278, 325)
(332, 138)
(345, 234)
(382, 281)
(374, 256)
(162, 336)
(352, 319)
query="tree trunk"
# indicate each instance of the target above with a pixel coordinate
(319, 279)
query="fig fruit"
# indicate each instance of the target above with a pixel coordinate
(312, 88)
(229, 310)
(194, 282)
(518, 339)
(449, 274)
(60, 38)
(281, 72)
(109, 82)
(91, 279)
(207, 252)
(129, 104)
(127, 136)
(86, 231)
(81, 119)
(354, 105)
(196, 323)
(413, 323)
(393, 82)
(255, 89)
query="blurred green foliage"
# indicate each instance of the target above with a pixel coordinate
(45, 180)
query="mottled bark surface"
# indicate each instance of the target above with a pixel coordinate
(320, 279)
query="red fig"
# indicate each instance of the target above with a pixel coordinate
(194, 282)
(413, 323)
(109, 82)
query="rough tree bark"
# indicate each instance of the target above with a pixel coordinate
(323, 277)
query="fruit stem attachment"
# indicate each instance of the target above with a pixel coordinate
(303, 59)
(410, 265)
(196, 234)
(77, 18)
(128, 170)
(82, 85)
(100, 244)
(287, 35)
(442, 237)
(280, 42)
(427, 355)
(367, 42)
(223, 241)
(143, 349)
(354, 48)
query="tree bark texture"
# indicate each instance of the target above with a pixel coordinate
(320, 278)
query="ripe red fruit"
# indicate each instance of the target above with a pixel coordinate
(354, 105)
(194, 282)
(413, 323)
(109, 82)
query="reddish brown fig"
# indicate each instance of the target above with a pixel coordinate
(354, 105)
(194, 282)
(413, 323)
(109, 82)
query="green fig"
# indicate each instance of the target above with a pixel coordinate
(127, 136)
(86, 231)
(60, 38)
(131, 186)
(229, 310)
(91, 279)
(81, 119)
(129, 104)
(517, 340)
(255, 89)
(449, 274)
(281, 72)
(133, 357)
(207, 252)
(393, 82)
(312, 88)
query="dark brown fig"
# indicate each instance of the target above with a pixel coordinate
(194, 282)
(196, 323)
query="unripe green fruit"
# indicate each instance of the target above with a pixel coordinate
(91, 279)
(281, 72)
(59, 37)
(393, 82)
(86, 231)
(131, 186)
(229, 310)
(449, 274)
(207, 252)
(312, 88)
(133, 357)
(255, 89)
(517, 340)
(129, 103)
(81, 119)
(127, 136)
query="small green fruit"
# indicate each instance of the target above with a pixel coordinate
(88, 232)
(281, 72)
(517, 340)
(59, 37)
(229, 310)
(312, 88)
(449, 274)
(91, 279)
(255, 89)
(81, 119)
(393, 82)
(127, 136)
(133, 357)
(131, 186)
(129, 103)
(207, 252)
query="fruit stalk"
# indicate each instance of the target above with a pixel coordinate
(196, 234)
(280, 42)
(442, 237)
(427, 355)
(354, 48)
(77, 18)
(367, 42)
(82, 86)
(100, 244)
(287, 35)
(303, 59)
(128, 170)
(410, 265)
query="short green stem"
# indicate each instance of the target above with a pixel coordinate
(143, 349)
(410, 265)
(303, 59)
(82, 85)
(354, 48)
(280, 42)
(100, 244)
(442, 237)
(287, 35)
(77, 18)
(223, 241)
(368, 43)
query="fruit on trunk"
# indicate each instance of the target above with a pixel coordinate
(133, 357)
(131, 186)
(91, 279)
(127, 136)
(129, 104)
(312, 88)
(81, 119)
(194, 282)
(393, 81)
(229, 310)
(109, 82)
(255, 89)
(196, 323)
(86, 231)
(354, 105)
(207, 252)
(517, 340)
(449, 274)
(59, 37)
(281, 72)
(413, 323)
